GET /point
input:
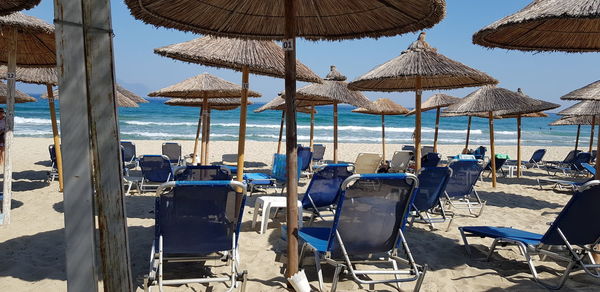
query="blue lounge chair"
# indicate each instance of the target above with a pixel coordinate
(573, 185)
(536, 159)
(156, 169)
(479, 153)
(304, 158)
(432, 185)
(128, 154)
(565, 162)
(460, 191)
(571, 229)
(172, 150)
(371, 213)
(53, 173)
(196, 221)
(324, 188)
(574, 168)
(278, 175)
(431, 159)
(318, 153)
(202, 172)
(500, 160)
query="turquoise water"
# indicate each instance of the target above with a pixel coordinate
(155, 120)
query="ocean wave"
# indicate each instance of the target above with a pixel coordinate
(30, 132)
(32, 121)
(353, 128)
(140, 123)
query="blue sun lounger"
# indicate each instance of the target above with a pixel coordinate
(305, 156)
(278, 175)
(571, 229)
(53, 173)
(574, 168)
(156, 169)
(196, 221)
(574, 185)
(432, 185)
(460, 191)
(371, 213)
(128, 153)
(202, 172)
(324, 188)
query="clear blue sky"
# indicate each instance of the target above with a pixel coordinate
(545, 75)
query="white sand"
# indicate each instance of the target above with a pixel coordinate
(32, 246)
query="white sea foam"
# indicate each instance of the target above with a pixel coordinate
(32, 121)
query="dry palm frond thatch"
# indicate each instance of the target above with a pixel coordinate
(278, 104)
(572, 121)
(334, 89)
(203, 85)
(33, 75)
(584, 108)
(10, 6)
(532, 106)
(588, 92)
(382, 106)
(213, 103)
(261, 57)
(136, 98)
(490, 99)
(546, 25)
(264, 19)
(36, 46)
(436, 101)
(420, 60)
(122, 100)
(20, 97)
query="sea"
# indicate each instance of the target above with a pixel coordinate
(157, 121)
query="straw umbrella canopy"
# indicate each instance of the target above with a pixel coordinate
(585, 108)
(286, 20)
(419, 68)
(136, 98)
(278, 104)
(204, 87)
(334, 90)
(11, 6)
(546, 25)
(588, 92)
(20, 97)
(29, 42)
(437, 102)
(383, 107)
(121, 99)
(575, 120)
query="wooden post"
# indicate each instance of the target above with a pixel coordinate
(468, 136)
(592, 134)
(195, 154)
(598, 158)
(9, 120)
(312, 128)
(437, 127)
(335, 132)
(519, 145)
(383, 136)
(280, 132)
(203, 145)
(207, 138)
(78, 193)
(493, 150)
(242, 131)
(419, 92)
(577, 139)
(290, 136)
(55, 136)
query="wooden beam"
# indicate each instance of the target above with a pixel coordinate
(335, 133)
(468, 136)
(493, 150)
(312, 128)
(598, 156)
(242, 130)
(204, 114)
(55, 136)
(592, 134)
(290, 137)
(9, 119)
(437, 128)
(195, 154)
(383, 136)
(280, 132)
(519, 145)
(418, 93)
(207, 137)
(577, 139)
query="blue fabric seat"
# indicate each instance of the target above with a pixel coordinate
(432, 185)
(156, 169)
(202, 172)
(460, 191)
(324, 187)
(278, 175)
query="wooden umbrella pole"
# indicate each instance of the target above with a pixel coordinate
(55, 136)
(468, 135)
(437, 127)
(195, 154)
(493, 150)
(207, 137)
(203, 145)
(312, 127)
(577, 139)
(592, 134)
(9, 118)
(519, 145)
(598, 157)
(335, 133)
(290, 136)
(383, 136)
(242, 130)
(280, 132)
(418, 92)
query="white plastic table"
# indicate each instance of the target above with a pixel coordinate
(268, 202)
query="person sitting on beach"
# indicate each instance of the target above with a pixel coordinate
(2, 130)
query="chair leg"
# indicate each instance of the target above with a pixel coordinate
(421, 278)
(256, 210)
(465, 241)
(336, 276)
(492, 248)
(318, 267)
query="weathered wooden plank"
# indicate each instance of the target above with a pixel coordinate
(10, 121)
(56, 137)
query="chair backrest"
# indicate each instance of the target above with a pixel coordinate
(426, 150)
(465, 157)
(324, 186)
(52, 151)
(279, 168)
(537, 156)
(432, 184)
(197, 217)
(582, 157)
(465, 174)
(571, 156)
(400, 161)
(304, 155)
(408, 148)
(367, 163)
(500, 161)
(172, 150)
(202, 172)
(372, 208)
(229, 159)
(594, 153)
(156, 168)
(576, 220)
(128, 151)
(479, 153)
(318, 152)
(589, 168)
(431, 159)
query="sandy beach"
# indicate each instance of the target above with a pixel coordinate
(32, 247)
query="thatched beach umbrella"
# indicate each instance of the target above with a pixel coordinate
(20, 97)
(26, 41)
(282, 20)
(11, 6)
(588, 92)
(490, 99)
(419, 68)
(136, 98)
(121, 99)
(220, 104)
(278, 104)
(546, 25)
(575, 120)
(204, 87)
(383, 107)
(585, 108)
(334, 90)
(437, 102)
